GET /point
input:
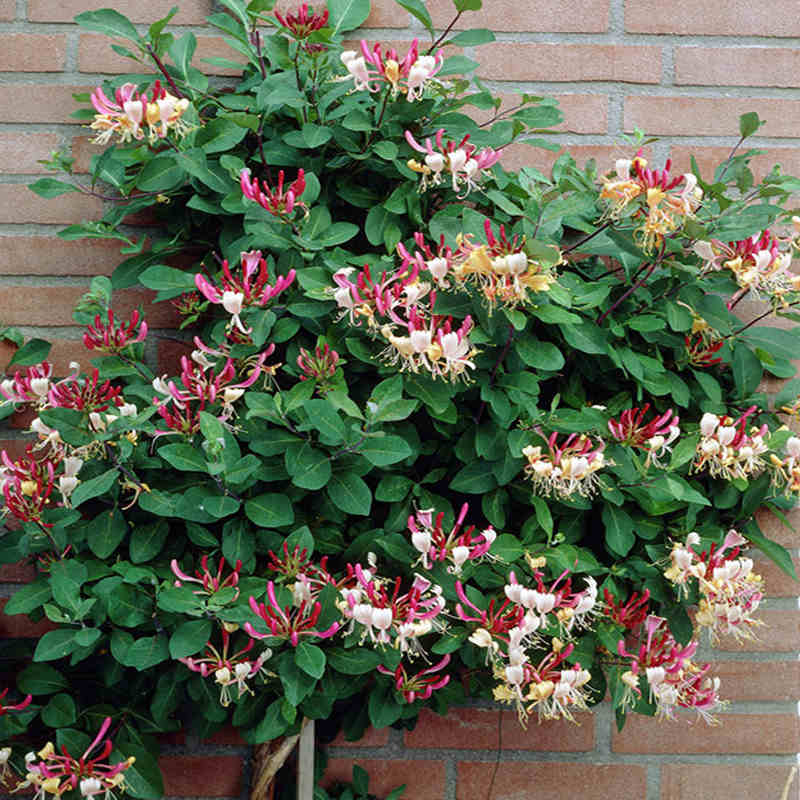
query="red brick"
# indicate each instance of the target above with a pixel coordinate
(82, 151)
(8, 10)
(32, 52)
(15, 626)
(29, 102)
(15, 449)
(19, 204)
(226, 736)
(712, 17)
(52, 305)
(549, 781)
(49, 255)
(773, 528)
(737, 733)
(371, 738)
(583, 113)
(708, 158)
(753, 681)
(20, 152)
(519, 155)
(95, 55)
(570, 62)
(737, 66)
(549, 16)
(17, 573)
(776, 582)
(709, 116)
(723, 781)
(169, 355)
(209, 776)
(192, 12)
(425, 780)
(779, 633)
(477, 729)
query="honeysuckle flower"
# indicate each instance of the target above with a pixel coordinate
(26, 485)
(319, 366)
(701, 352)
(437, 263)
(51, 772)
(786, 471)
(84, 393)
(630, 614)
(420, 685)
(458, 547)
(727, 450)
(465, 163)
(565, 468)
(675, 681)
(652, 191)
(132, 110)
(654, 437)
(6, 707)
(210, 581)
(68, 481)
(113, 337)
(31, 386)
(280, 202)
(285, 622)
(409, 75)
(303, 22)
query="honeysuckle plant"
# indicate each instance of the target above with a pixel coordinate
(440, 429)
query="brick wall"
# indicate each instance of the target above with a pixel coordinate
(684, 70)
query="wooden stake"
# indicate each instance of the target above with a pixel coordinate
(305, 762)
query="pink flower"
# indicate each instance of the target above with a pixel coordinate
(113, 337)
(302, 23)
(279, 202)
(420, 685)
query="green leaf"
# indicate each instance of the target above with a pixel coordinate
(94, 487)
(32, 596)
(393, 488)
(777, 552)
(347, 15)
(473, 37)
(55, 644)
(60, 711)
(184, 457)
(189, 637)
(474, 478)
(349, 493)
(468, 5)
(354, 661)
(41, 679)
(270, 510)
(310, 659)
(272, 724)
(417, 8)
(70, 424)
(143, 778)
(747, 370)
(539, 355)
(181, 51)
(220, 135)
(32, 352)
(620, 537)
(49, 187)
(458, 65)
(105, 532)
(168, 280)
(66, 579)
(309, 467)
(109, 22)
(163, 173)
(146, 652)
(383, 707)
(147, 541)
(384, 450)
(296, 683)
(324, 417)
(749, 123)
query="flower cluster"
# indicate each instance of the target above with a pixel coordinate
(652, 190)
(49, 772)
(319, 366)
(281, 201)
(419, 685)
(211, 583)
(27, 484)
(457, 547)
(675, 681)
(380, 613)
(757, 264)
(400, 307)
(132, 111)
(730, 592)
(513, 634)
(654, 437)
(111, 337)
(31, 387)
(565, 468)
(252, 289)
(465, 163)
(372, 70)
(727, 450)
(229, 669)
(303, 22)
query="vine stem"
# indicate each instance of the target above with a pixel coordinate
(648, 271)
(758, 319)
(586, 238)
(444, 33)
(160, 64)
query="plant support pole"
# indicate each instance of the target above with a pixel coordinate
(305, 762)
